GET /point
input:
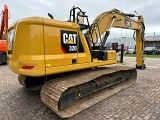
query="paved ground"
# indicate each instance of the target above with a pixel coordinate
(139, 102)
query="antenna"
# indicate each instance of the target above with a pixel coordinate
(136, 13)
(50, 15)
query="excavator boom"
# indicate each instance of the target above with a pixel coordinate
(4, 35)
(4, 22)
(118, 19)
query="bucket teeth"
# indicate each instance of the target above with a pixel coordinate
(73, 92)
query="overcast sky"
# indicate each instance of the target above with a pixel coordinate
(149, 9)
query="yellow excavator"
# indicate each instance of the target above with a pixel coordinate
(65, 60)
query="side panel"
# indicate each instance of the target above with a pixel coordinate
(64, 46)
(56, 54)
(27, 56)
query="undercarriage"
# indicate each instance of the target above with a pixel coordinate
(71, 93)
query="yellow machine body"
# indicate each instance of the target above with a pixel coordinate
(37, 50)
(66, 61)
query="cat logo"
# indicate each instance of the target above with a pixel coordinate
(69, 38)
(69, 41)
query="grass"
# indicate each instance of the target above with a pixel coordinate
(146, 56)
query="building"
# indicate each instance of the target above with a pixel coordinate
(152, 41)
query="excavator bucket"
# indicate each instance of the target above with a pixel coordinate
(69, 95)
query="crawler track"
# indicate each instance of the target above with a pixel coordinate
(31, 83)
(69, 95)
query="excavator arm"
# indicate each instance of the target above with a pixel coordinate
(4, 22)
(118, 19)
(4, 35)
